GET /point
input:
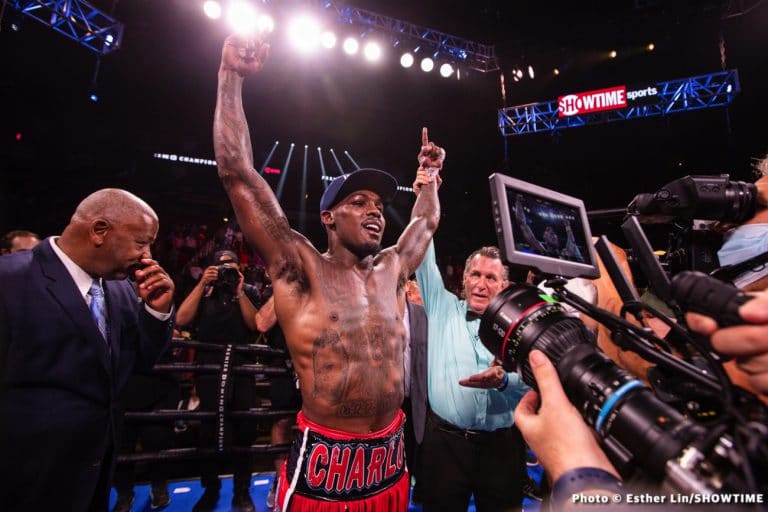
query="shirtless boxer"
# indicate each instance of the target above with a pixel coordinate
(341, 311)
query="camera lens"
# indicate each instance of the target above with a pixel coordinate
(636, 427)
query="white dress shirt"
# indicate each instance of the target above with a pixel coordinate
(83, 280)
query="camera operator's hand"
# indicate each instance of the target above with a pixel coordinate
(155, 286)
(210, 275)
(556, 432)
(747, 343)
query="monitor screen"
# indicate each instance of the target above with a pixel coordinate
(541, 228)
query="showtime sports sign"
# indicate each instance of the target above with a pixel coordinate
(592, 101)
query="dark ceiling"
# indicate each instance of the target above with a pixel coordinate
(157, 95)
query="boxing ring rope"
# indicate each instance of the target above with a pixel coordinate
(222, 415)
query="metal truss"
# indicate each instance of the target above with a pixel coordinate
(476, 56)
(78, 20)
(707, 91)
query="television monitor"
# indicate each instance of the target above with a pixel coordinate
(541, 228)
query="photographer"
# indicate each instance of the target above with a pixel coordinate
(221, 302)
(221, 311)
(749, 240)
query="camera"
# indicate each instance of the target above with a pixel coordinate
(697, 197)
(691, 205)
(643, 436)
(228, 276)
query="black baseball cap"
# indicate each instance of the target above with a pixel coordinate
(225, 254)
(383, 183)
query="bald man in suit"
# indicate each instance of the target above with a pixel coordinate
(72, 329)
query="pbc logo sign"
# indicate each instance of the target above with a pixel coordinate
(592, 101)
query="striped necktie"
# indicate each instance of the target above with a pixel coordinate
(98, 307)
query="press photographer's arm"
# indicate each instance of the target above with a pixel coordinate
(747, 343)
(188, 308)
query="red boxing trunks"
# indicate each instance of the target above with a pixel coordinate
(331, 470)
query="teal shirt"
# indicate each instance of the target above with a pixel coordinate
(456, 352)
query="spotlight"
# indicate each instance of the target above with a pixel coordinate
(556, 71)
(265, 24)
(427, 64)
(446, 70)
(530, 72)
(304, 33)
(650, 47)
(328, 39)
(372, 51)
(612, 54)
(406, 60)
(351, 45)
(93, 97)
(212, 9)
(242, 17)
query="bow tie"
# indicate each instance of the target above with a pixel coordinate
(471, 315)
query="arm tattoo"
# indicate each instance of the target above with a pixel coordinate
(234, 156)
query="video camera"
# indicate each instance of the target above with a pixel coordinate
(686, 204)
(642, 435)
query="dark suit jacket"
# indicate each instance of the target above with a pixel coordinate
(59, 384)
(417, 317)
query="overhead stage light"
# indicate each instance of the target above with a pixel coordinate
(530, 72)
(372, 51)
(351, 45)
(446, 70)
(650, 47)
(212, 9)
(613, 54)
(304, 33)
(242, 17)
(406, 60)
(328, 39)
(556, 71)
(427, 64)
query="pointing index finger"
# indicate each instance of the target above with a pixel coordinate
(424, 137)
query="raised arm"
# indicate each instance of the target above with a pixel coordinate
(258, 212)
(425, 214)
(571, 249)
(522, 222)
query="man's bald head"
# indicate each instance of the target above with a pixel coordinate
(112, 204)
(110, 231)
